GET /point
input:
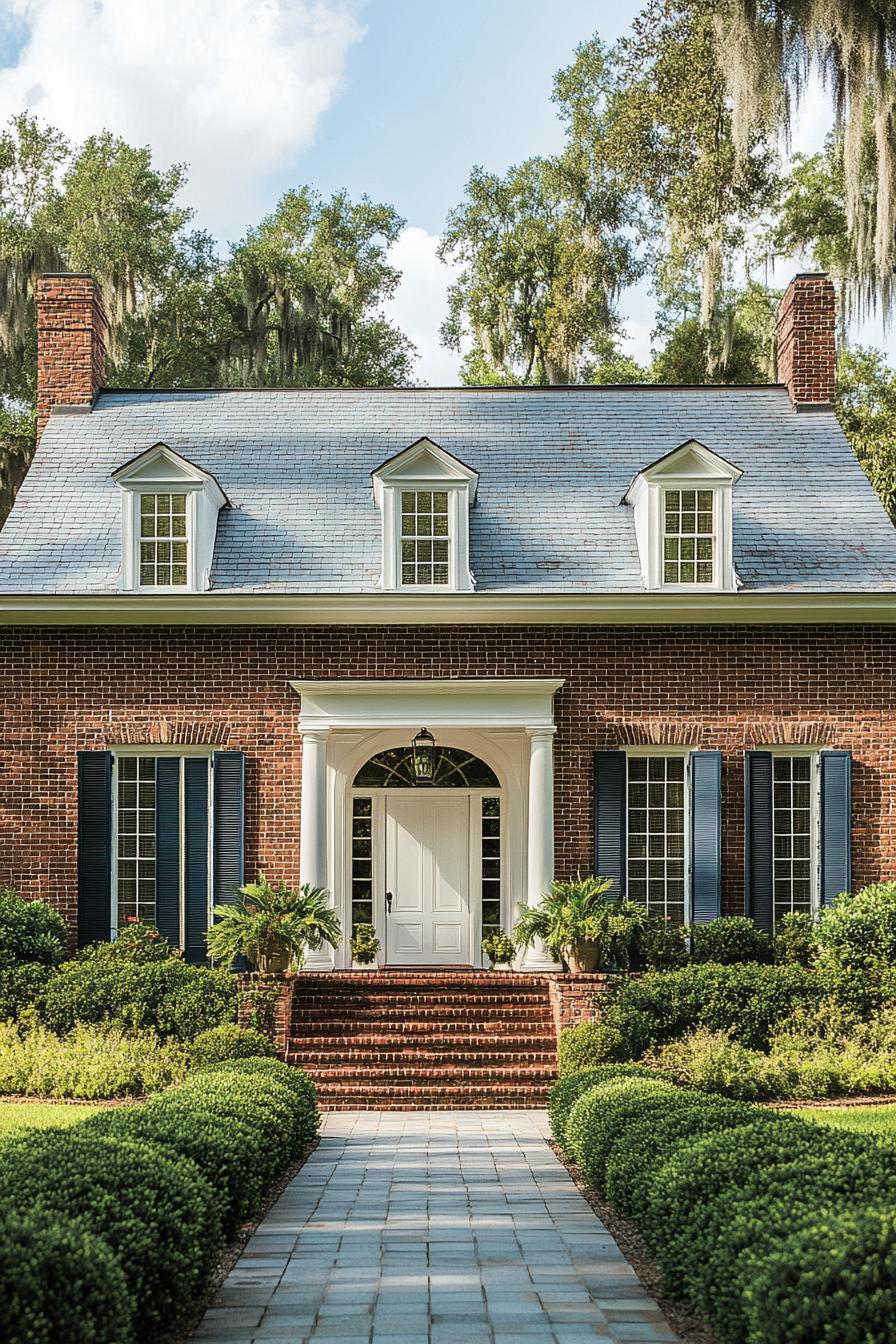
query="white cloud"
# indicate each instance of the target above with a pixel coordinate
(233, 87)
(419, 305)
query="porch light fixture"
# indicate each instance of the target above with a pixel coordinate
(424, 749)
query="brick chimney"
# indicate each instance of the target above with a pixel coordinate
(807, 352)
(71, 343)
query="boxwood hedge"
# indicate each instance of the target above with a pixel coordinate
(157, 1186)
(772, 1227)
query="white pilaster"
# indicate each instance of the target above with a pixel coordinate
(313, 828)
(540, 831)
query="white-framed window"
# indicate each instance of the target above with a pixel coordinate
(425, 495)
(683, 516)
(657, 841)
(164, 541)
(689, 536)
(136, 831)
(795, 822)
(425, 538)
(169, 520)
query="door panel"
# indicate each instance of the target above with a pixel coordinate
(427, 872)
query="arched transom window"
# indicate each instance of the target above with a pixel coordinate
(394, 769)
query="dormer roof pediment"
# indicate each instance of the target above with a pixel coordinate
(690, 460)
(160, 466)
(424, 461)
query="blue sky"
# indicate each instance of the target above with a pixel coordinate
(389, 97)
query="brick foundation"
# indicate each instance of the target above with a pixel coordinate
(726, 687)
(575, 998)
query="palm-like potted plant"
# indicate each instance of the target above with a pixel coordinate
(580, 926)
(272, 925)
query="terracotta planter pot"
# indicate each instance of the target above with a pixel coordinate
(584, 956)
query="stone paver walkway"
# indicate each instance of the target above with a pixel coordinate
(433, 1228)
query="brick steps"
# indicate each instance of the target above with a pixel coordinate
(425, 1040)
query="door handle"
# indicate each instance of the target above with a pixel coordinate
(388, 902)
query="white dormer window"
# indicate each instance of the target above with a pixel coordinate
(169, 520)
(425, 495)
(683, 520)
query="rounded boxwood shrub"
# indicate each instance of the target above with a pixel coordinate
(169, 996)
(229, 1041)
(29, 932)
(232, 1154)
(859, 929)
(732, 940)
(566, 1091)
(296, 1080)
(832, 1281)
(588, 1044)
(267, 1100)
(155, 1211)
(591, 1125)
(59, 1282)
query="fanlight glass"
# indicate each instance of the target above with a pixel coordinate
(394, 769)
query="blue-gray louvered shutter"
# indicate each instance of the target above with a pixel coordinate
(610, 818)
(94, 846)
(168, 847)
(758, 858)
(836, 823)
(196, 886)
(228, 845)
(706, 835)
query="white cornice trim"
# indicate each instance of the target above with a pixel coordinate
(439, 702)
(663, 608)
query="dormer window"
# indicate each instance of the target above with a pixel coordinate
(164, 541)
(169, 520)
(425, 495)
(683, 520)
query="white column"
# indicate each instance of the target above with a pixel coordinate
(313, 829)
(540, 835)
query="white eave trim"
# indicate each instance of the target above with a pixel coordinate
(403, 608)
(494, 702)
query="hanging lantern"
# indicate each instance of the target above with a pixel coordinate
(424, 749)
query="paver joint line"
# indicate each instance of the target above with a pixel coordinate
(432, 1228)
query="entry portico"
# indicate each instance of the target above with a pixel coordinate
(428, 839)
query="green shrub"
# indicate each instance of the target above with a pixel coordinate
(228, 1041)
(169, 996)
(567, 1090)
(588, 1044)
(294, 1080)
(23, 987)
(749, 1001)
(732, 940)
(858, 931)
(364, 944)
(794, 941)
(154, 1210)
(664, 945)
(59, 1283)
(29, 932)
(833, 1279)
(137, 943)
(90, 1062)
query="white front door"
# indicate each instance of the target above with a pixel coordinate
(428, 876)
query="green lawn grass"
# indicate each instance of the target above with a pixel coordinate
(18, 1116)
(864, 1119)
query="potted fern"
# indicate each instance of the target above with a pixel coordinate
(273, 925)
(581, 928)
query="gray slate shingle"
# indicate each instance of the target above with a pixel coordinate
(553, 467)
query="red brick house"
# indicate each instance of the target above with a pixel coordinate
(649, 630)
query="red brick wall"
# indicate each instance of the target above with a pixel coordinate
(807, 354)
(732, 688)
(71, 343)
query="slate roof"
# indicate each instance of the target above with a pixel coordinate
(553, 467)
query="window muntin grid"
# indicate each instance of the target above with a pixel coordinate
(425, 537)
(490, 819)
(163, 541)
(362, 862)
(136, 838)
(688, 536)
(792, 834)
(656, 834)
